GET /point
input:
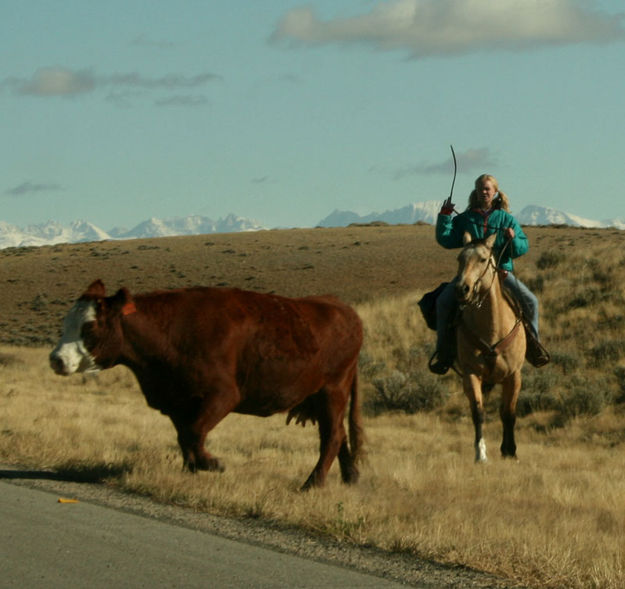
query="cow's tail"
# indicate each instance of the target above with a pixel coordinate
(356, 432)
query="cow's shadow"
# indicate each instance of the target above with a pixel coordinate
(97, 473)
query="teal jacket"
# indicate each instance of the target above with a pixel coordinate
(449, 232)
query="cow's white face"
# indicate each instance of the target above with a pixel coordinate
(71, 355)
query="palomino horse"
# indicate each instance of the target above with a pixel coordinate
(490, 340)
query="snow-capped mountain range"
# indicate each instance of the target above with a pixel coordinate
(428, 211)
(52, 232)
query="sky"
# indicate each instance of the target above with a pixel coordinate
(283, 111)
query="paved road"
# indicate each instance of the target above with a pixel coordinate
(44, 543)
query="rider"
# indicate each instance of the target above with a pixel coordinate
(487, 213)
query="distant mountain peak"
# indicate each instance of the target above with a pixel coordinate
(427, 212)
(53, 232)
(411, 213)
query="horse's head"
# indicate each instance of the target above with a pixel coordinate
(476, 267)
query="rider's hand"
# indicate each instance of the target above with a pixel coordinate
(509, 233)
(448, 207)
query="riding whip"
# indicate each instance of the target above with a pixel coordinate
(453, 153)
(448, 204)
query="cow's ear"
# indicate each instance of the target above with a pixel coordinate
(466, 238)
(122, 301)
(96, 290)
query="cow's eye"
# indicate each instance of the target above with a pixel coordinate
(87, 333)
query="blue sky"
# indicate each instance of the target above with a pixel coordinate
(282, 111)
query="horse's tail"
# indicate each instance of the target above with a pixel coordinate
(356, 431)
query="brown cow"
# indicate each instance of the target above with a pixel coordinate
(201, 353)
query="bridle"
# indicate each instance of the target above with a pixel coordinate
(490, 352)
(475, 299)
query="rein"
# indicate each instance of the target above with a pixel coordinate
(476, 286)
(490, 352)
(475, 293)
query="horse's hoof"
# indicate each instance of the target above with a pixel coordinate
(514, 458)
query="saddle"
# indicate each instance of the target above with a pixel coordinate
(535, 353)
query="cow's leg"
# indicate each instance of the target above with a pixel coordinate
(349, 470)
(332, 435)
(194, 455)
(511, 388)
(473, 390)
(193, 427)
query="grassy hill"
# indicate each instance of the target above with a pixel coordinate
(38, 285)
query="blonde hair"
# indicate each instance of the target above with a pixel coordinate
(501, 201)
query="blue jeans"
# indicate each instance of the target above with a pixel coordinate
(446, 305)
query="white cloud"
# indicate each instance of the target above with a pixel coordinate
(59, 81)
(452, 27)
(30, 188)
(146, 41)
(182, 101)
(168, 82)
(473, 160)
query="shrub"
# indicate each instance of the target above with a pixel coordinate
(409, 393)
(368, 366)
(568, 362)
(619, 373)
(609, 351)
(585, 396)
(535, 283)
(585, 298)
(549, 259)
(607, 322)
(538, 391)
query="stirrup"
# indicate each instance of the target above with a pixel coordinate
(437, 365)
(535, 352)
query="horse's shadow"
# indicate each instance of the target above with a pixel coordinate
(97, 473)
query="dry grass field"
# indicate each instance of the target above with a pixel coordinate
(555, 518)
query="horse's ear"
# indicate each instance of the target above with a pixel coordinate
(466, 238)
(490, 241)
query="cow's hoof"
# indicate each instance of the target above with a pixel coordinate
(205, 463)
(312, 482)
(211, 464)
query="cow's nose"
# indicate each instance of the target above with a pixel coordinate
(56, 363)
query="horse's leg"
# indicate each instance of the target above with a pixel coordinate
(511, 387)
(473, 390)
